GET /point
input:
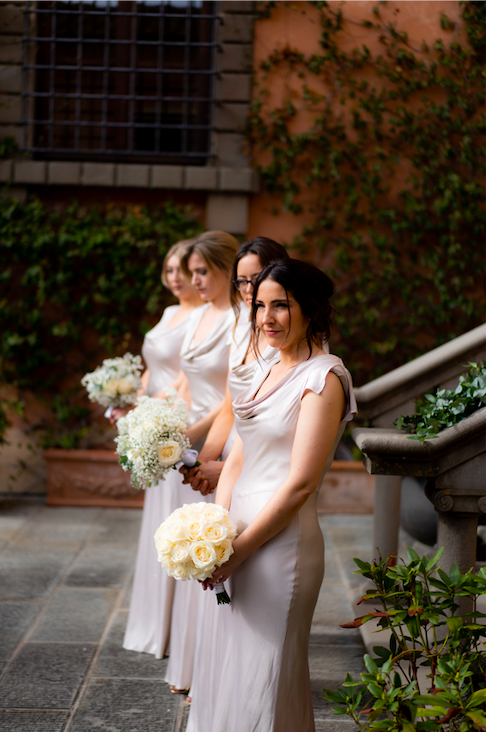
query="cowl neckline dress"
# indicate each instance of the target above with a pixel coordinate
(205, 365)
(262, 648)
(149, 619)
(206, 673)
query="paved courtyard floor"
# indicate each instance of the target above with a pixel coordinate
(65, 582)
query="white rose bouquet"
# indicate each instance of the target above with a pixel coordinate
(115, 383)
(194, 540)
(151, 438)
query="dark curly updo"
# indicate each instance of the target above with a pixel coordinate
(311, 289)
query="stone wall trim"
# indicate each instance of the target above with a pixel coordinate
(107, 175)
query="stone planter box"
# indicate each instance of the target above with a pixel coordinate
(347, 488)
(89, 478)
(94, 478)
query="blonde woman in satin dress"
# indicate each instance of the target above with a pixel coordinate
(289, 422)
(208, 261)
(148, 627)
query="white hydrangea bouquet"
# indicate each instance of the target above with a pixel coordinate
(115, 383)
(194, 540)
(151, 439)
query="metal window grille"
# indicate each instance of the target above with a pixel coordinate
(119, 80)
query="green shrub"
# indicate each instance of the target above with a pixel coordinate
(78, 284)
(418, 605)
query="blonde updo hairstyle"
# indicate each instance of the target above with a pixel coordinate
(217, 249)
(177, 250)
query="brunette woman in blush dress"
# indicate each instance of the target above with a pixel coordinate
(148, 627)
(289, 422)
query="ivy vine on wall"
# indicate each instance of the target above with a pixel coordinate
(389, 175)
(77, 284)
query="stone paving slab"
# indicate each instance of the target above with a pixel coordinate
(30, 571)
(45, 675)
(38, 720)
(116, 525)
(76, 615)
(101, 566)
(15, 619)
(124, 705)
(116, 662)
(65, 525)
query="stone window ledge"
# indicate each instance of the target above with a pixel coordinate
(122, 175)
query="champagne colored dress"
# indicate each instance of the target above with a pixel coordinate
(148, 627)
(206, 366)
(261, 648)
(206, 674)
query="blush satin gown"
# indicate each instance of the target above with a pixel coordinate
(148, 627)
(206, 674)
(206, 366)
(261, 648)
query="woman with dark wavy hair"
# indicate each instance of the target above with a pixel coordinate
(289, 422)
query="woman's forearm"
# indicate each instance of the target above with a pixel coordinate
(229, 475)
(199, 430)
(219, 432)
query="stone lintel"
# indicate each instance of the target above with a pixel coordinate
(98, 174)
(203, 179)
(132, 176)
(6, 171)
(64, 174)
(167, 176)
(34, 172)
(31, 172)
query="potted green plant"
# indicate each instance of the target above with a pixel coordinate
(432, 675)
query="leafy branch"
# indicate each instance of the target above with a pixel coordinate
(445, 408)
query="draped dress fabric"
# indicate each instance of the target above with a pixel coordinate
(206, 366)
(148, 627)
(206, 673)
(261, 651)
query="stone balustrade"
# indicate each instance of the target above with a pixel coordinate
(394, 394)
(455, 465)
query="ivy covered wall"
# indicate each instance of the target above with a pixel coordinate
(77, 284)
(368, 129)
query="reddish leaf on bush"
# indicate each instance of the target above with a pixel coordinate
(357, 622)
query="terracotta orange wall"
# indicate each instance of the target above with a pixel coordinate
(297, 25)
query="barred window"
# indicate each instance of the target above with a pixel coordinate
(118, 80)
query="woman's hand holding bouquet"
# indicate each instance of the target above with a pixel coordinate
(151, 438)
(194, 541)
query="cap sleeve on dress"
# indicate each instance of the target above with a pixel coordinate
(316, 381)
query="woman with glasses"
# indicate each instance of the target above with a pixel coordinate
(252, 257)
(245, 358)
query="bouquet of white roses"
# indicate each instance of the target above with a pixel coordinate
(115, 382)
(194, 540)
(151, 438)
